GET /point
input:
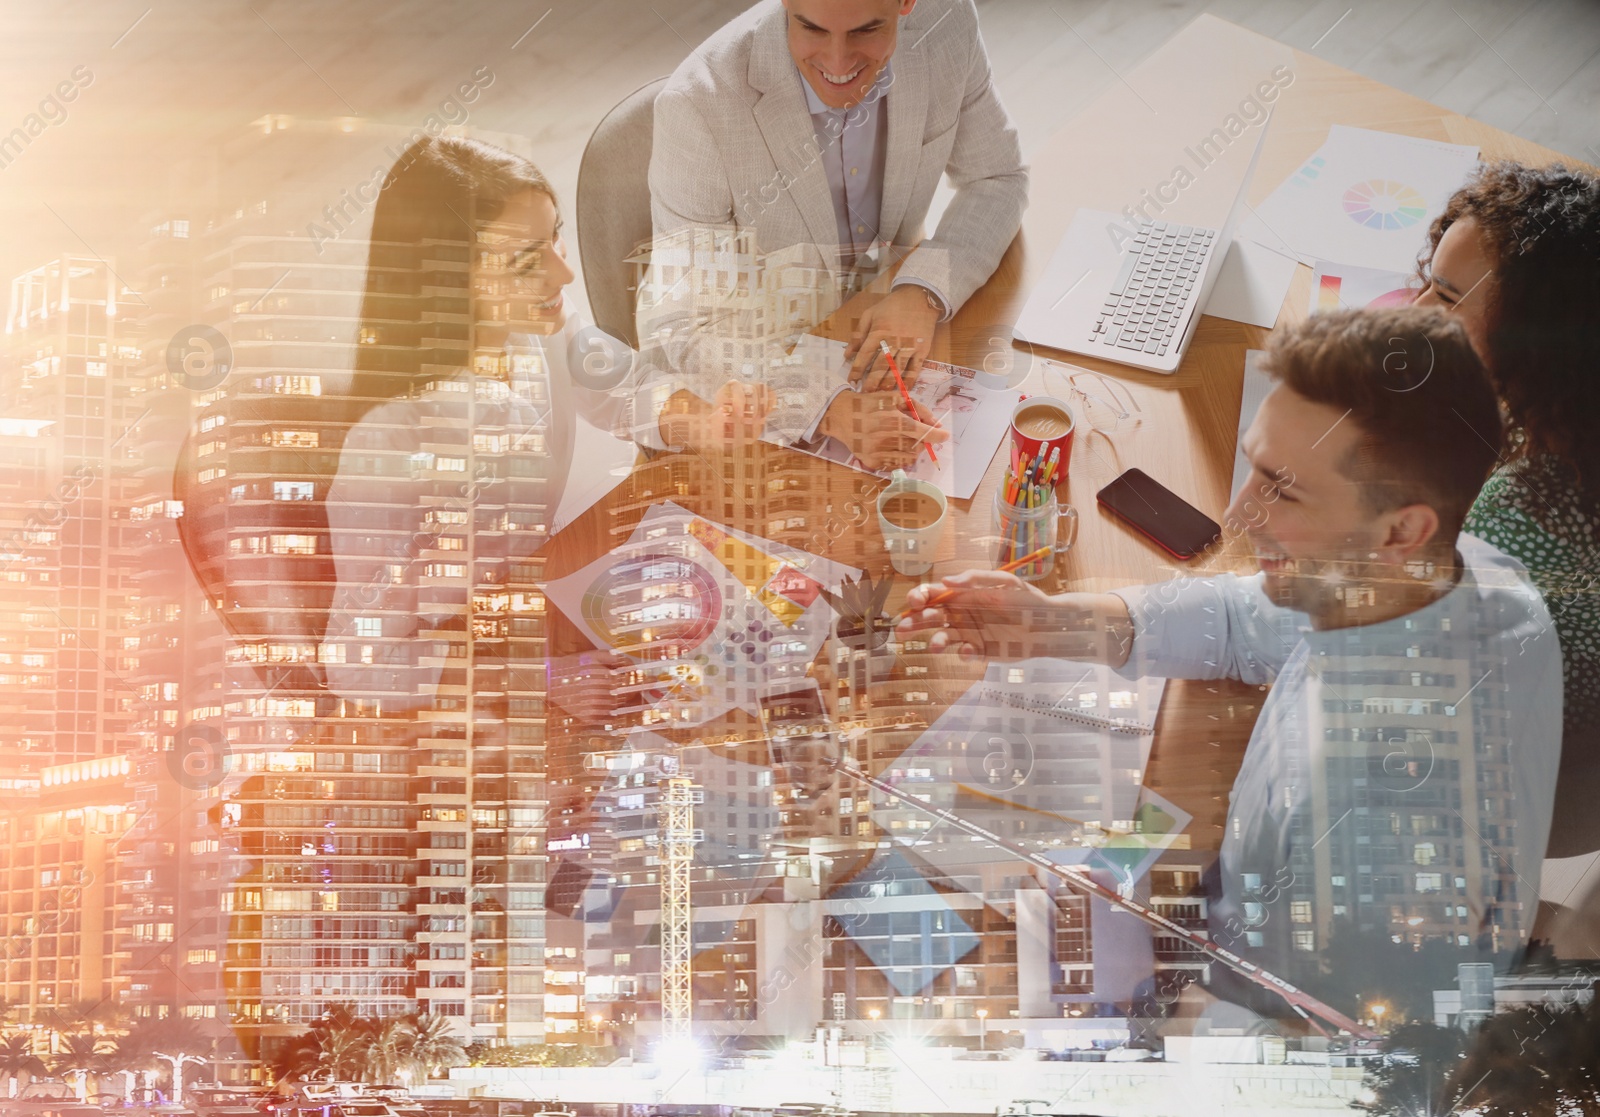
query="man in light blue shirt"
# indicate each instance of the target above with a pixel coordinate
(1400, 779)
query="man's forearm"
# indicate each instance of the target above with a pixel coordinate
(1091, 627)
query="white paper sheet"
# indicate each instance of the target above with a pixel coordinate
(1256, 386)
(1569, 881)
(1033, 737)
(1364, 198)
(1252, 284)
(600, 462)
(973, 406)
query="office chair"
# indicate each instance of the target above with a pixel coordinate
(613, 208)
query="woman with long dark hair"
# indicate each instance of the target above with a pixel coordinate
(1516, 256)
(460, 424)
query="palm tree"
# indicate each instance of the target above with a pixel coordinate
(81, 1016)
(336, 1047)
(388, 1048)
(176, 1041)
(299, 1060)
(80, 1056)
(17, 1058)
(344, 1046)
(129, 1054)
(347, 1045)
(434, 1045)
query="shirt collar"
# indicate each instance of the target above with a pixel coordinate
(814, 103)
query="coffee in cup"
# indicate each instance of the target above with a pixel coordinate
(1040, 426)
(911, 515)
(912, 511)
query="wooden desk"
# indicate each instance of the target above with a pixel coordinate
(1129, 140)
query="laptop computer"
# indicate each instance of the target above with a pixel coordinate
(1131, 293)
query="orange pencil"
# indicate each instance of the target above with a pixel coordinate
(1008, 568)
(1014, 484)
(894, 367)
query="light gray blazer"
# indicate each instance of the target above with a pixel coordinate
(734, 145)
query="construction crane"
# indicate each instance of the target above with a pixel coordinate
(1312, 1010)
(675, 814)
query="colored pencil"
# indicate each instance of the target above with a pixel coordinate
(894, 367)
(1050, 470)
(1009, 568)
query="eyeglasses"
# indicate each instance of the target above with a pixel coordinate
(1106, 405)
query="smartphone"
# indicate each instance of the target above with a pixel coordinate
(794, 708)
(800, 736)
(1172, 523)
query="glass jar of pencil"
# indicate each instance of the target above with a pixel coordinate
(1033, 527)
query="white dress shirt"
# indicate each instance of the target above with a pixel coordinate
(1400, 776)
(851, 144)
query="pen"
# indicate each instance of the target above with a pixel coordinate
(1009, 568)
(894, 367)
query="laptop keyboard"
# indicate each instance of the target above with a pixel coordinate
(1147, 301)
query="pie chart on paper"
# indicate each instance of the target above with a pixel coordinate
(1383, 204)
(652, 601)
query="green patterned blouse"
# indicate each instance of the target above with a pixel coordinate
(1533, 510)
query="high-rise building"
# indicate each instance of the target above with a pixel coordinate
(1410, 832)
(67, 361)
(29, 580)
(813, 900)
(381, 698)
(365, 763)
(175, 861)
(62, 900)
(69, 376)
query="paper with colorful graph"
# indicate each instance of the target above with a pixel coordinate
(1363, 198)
(1347, 287)
(713, 615)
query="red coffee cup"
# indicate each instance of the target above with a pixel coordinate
(1041, 425)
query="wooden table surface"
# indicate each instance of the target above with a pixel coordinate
(1128, 141)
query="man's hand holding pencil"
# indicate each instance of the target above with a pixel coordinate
(884, 429)
(988, 613)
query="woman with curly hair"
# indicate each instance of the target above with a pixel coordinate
(1516, 255)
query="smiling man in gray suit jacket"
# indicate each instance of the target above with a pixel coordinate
(830, 123)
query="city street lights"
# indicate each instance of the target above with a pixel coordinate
(983, 1029)
(594, 1023)
(1377, 1009)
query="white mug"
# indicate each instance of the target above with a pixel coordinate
(912, 548)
